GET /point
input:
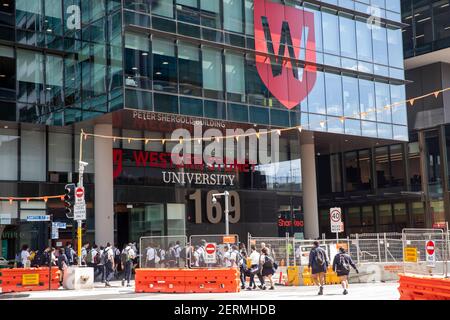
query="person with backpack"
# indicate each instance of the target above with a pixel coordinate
(268, 270)
(117, 261)
(70, 253)
(341, 265)
(318, 263)
(127, 256)
(151, 256)
(84, 253)
(63, 263)
(171, 258)
(108, 263)
(243, 269)
(255, 269)
(177, 249)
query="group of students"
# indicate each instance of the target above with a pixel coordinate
(261, 264)
(156, 256)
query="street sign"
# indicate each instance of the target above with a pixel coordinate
(210, 250)
(430, 249)
(79, 195)
(38, 218)
(79, 212)
(336, 220)
(410, 254)
(61, 225)
(55, 231)
(229, 239)
(30, 279)
(5, 218)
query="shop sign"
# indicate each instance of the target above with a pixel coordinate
(229, 239)
(411, 254)
(5, 219)
(30, 279)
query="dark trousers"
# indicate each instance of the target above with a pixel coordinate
(128, 270)
(252, 278)
(243, 276)
(109, 271)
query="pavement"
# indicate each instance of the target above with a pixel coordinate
(367, 291)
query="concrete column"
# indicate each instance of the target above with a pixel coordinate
(104, 186)
(309, 182)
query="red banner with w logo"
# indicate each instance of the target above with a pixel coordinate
(285, 34)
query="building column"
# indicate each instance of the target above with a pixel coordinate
(104, 186)
(309, 184)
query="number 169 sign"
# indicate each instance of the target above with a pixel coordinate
(336, 220)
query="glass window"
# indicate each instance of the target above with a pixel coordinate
(215, 109)
(330, 25)
(424, 26)
(385, 218)
(441, 12)
(397, 165)
(351, 97)
(363, 40)
(383, 101)
(399, 113)
(54, 80)
(433, 154)
(333, 94)
(210, 13)
(367, 99)
(232, 15)
(367, 216)
(191, 107)
(259, 115)
(353, 127)
(369, 129)
(137, 99)
(383, 167)
(163, 8)
(7, 74)
(379, 37)
(190, 69)
(166, 103)
(137, 61)
(30, 76)
(132, 145)
(249, 17)
(418, 213)
(395, 45)
(353, 217)
(316, 98)
(414, 174)
(212, 72)
(9, 141)
(33, 156)
(237, 112)
(59, 152)
(234, 71)
(164, 66)
(255, 89)
(7, 13)
(348, 37)
(438, 212)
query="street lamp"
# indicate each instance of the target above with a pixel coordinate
(227, 218)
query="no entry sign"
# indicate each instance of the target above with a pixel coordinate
(430, 248)
(210, 253)
(79, 196)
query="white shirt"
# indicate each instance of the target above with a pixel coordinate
(24, 255)
(151, 253)
(227, 257)
(110, 254)
(254, 257)
(130, 252)
(93, 254)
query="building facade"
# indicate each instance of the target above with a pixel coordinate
(142, 69)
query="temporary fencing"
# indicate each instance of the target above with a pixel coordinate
(29, 279)
(213, 251)
(163, 252)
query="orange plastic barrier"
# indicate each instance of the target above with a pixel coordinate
(30, 279)
(187, 281)
(423, 288)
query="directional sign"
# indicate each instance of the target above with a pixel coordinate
(79, 195)
(79, 212)
(5, 218)
(61, 225)
(430, 249)
(336, 220)
(210, 256)
(55, 231)
(38, 218)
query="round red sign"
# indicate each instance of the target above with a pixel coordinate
(430, 247)
(79, 192)
(210, 248)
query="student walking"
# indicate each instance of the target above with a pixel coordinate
(108, 255)
(63, 263)
(255, 269)
(318, 263)
(341, 265)
(243, 269)
(128, 255)
(268, 270)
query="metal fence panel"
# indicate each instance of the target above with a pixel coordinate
(163, 252)
(416, 240)
(280, 249)
(225, 245)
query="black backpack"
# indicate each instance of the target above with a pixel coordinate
(343, 264)
(320, 257)
(268, 263)
(183, 253)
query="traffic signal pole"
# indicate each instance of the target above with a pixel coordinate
(80, 184)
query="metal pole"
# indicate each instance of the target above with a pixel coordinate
(80, 184)
(357, 248)
(379, 247)
(50, 262)
(227, 217)
(385, 247)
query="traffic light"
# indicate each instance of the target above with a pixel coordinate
(69, 199)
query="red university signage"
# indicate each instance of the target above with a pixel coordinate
(278, 32)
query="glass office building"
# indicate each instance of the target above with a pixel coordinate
(144, 68)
